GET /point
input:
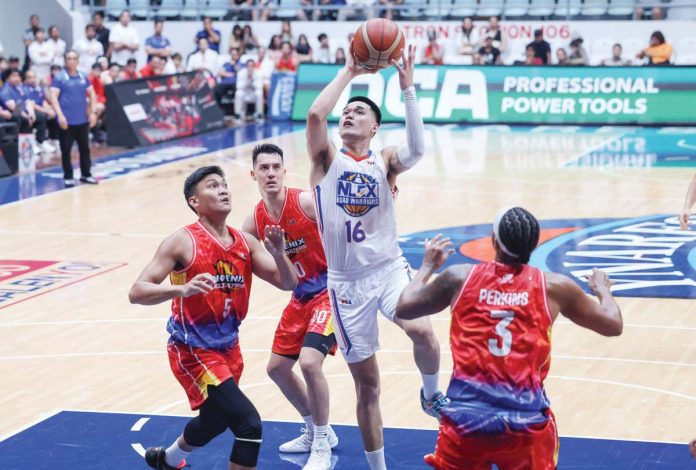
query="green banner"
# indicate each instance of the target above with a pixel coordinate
(530, 95)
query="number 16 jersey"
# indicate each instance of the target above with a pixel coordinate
(356, 216)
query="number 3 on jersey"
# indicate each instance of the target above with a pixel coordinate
(354, 234)
(501, 346)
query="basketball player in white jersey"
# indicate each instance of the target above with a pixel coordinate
(354, 189)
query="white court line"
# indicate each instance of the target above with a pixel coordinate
(41, 419)
(139, 424)
(139, 449)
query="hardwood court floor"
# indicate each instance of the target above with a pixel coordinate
(85, 347)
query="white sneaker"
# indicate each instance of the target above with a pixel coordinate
(304, 442)
(47, 147)
(320, 458)
(35, 148)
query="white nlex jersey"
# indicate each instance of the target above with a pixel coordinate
(356, 215)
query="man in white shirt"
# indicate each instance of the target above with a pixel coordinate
(249, 90)
(323, 52)
(41, 54)
(204, 59)
(124, 40)
(616, 60)
(58, 45)
(89, 48)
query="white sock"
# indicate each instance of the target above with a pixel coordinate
(175, 454)
(430, 386)
(376, 459)
(309, 424)
(321, 432)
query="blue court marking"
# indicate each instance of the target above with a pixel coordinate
(15, 188)
(94, 440)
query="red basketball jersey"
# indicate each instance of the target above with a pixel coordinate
(501, 345)
(302, 243)
(212, 321)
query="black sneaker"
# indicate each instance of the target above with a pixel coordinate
(154, 456)
(89, 180)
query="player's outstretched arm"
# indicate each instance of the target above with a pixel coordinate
(421, 298)
(147, 289)
(688, 204)
(272, 264)
(603, 317)
(400, 159)
(319, 146)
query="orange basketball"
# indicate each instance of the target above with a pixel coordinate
(377, 42)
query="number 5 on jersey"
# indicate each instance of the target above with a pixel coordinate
(354, 234)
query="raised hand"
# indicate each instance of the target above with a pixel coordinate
(274, 240)
(406, 68)
(437, 251)
(200, 284)
(598, 282)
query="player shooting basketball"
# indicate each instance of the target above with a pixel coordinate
(354, 189)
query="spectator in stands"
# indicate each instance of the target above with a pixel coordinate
(274, 47)
(226, 88)
(101, 31)
(29, 37)
(237, 38)
(3, 66)
(55, 70)
(35, 93)
(14, 97)
(542, 49)
(204, 59)
(303, 50)
(530, 57)
(124, 40)
(287, 61)
(561, 56)
(265, 66)
(357, 9)
(659, 52)
(494, 29)
(251, 42)
(95, 74)
(477, 59)
(646, 12)
(13, 62)
(490, 55)
(578, 54)
(89, 49)
(5, 114)
(387, 10)
(434, 52)
(210, 34)
(130, 71)
(323, 55)
(58, 45)
(72, 92)
(469, 40)
(153, 68)
(286, 32)
(41, 54)
(340, 58)
(178, 62)
(249, 90)
(242, 9)
(158, 45)
(328, 14)
(112, 74)
(616, 60)
(265, 8)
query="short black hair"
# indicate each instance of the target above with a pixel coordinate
(373, 106)
(265, 148)
(538, 32)
(322, 36)
(100, 14)
(131, 61)
(6, 74)
(90, 25)
(519, 232)
(158, 19)
(196, 177)
(659, 36)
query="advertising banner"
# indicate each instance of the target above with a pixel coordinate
(156, 109)
(529, 95)
(281, 94)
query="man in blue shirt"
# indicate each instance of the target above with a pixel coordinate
(227, 83)
(27, 118)
(212, 35)
(35, 94)
(69, 90)
(158, 45)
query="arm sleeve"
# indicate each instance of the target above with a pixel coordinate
(408, 155)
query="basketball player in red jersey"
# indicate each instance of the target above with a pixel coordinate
(305, 330)
(502, 314)
(210, 266)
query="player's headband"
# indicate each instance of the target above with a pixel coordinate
(375, 109)
(496, 232)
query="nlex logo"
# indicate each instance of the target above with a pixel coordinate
(357, 193)
(646, 256)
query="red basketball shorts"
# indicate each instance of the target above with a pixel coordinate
(302, 317)
(197, 368)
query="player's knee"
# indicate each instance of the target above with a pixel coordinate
(368, 390)
(310, 365)
(420, 332)
(248, 427)
(275, 371)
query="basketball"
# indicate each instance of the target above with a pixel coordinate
(377, 42)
